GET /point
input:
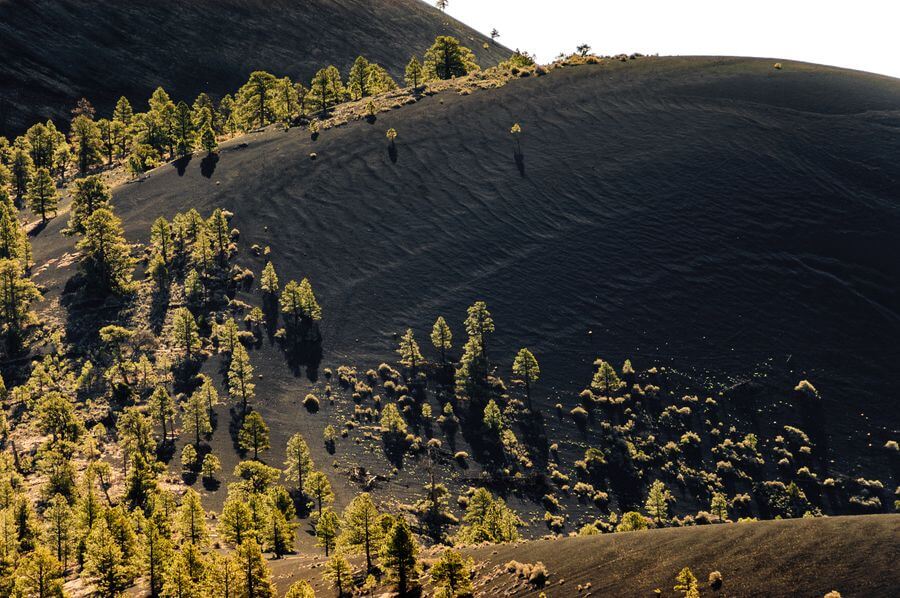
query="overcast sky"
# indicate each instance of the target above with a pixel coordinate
(859, 34)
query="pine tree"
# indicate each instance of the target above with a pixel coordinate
(240, 377)
(161, 239)
(123, 114)
(210, 466)
(410, 356)
(161, 121)
(414, 73)
(255, 99)
(686, 583)
(339, 573)
(268, 281)
(105, 564)
(157, 551)
(657, 504)
(16, 295)
(162, 404)
(447, 59)
(219, 235)
(379, 80)
(236, 521)
(605, 378)
(185, 334)
(254, 434)
(488, 519)
(90, 194)
(441, 337)
(279, 532)
(41, 196)
(442, 4)
(287, 100)
(392, 423)
(357, 80)
(525, 366)
(719, 506)
(479, 324)
(227, 336)
(298, 303)
(361, 532)
(223, 577)
(300, 589)
(327, 529)
(186, 573)
(22, 168)
(398, 554)
(184, 132)
(14, 243)
(43, 140)
(196, 411)
(326, 88)
(493, 418)
(106, 256)
(319, 489)
(256, 579)
(208, 140)
(453, 572)
(108, 130)
(297, 462)
(85, 137)
(58, 523)
(192, 519)
(39, 574)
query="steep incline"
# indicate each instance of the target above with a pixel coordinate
(53, 52)
(715, 216)
(789, 558)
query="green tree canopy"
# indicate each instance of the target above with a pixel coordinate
(447, 59)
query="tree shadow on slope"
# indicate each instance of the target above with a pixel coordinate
(208, 165)
(302, 347)
(181, 164)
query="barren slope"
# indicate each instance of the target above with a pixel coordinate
(52, 52)
(804, 558)
(715, 216)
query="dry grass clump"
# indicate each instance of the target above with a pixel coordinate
(536, 574)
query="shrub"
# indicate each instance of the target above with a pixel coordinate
(632, 521)
(580, 415)
(715, 580)
(892, 446)
(188, 457)
(805, 388)
(210, 466)
(536, 574)
(311, 402)
(461, 457)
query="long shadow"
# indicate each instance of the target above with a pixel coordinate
(208, 165)
(158, 307)
(181, 164)
(303, 348)
(392, 153)
(519, 157)
(37, 228)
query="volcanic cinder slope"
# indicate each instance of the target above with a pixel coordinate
(798, 557)
(53, 52)
(718, 217)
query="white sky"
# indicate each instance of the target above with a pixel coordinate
(858, 34)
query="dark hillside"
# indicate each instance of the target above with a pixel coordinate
(800, 557)
(52, 52)
(717, 217)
